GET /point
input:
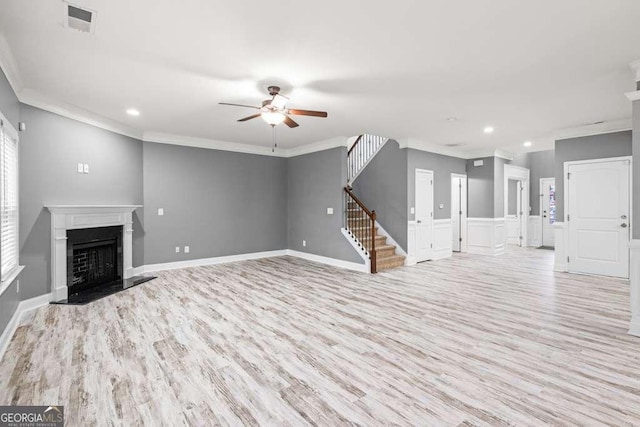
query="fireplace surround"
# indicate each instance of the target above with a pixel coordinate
(75, 217)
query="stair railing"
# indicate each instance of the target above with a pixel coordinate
(361, 152)
(360, 222)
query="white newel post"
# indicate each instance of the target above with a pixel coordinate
(69, 217)
(634, 246)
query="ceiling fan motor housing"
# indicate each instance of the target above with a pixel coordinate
(273, 90)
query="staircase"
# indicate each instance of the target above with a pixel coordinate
(360, 223)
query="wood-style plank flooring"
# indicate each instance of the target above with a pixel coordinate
(470, 340)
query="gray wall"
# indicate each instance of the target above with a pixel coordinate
(10, 108)
(636, 167)
(442, 167)
(480, 189)
(615, 144)
(315, 183)
(216, 202)
(50, 149)
(382, 186)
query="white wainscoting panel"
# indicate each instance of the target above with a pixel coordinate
(442, 239)
(486, 236)
(534, 235)
(560, 237)
(634, 279)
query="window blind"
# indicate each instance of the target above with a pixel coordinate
(8, 202)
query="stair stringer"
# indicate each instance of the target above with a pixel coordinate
(357, 246)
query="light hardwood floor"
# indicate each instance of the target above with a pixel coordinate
(470, 340)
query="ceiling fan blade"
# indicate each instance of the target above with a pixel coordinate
(307, 113)
(250, 117)
(238, 105)
(289, 122)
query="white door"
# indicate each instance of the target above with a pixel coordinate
(459, 212)
(598, 217)
(548, 208)
(424, 215)
(520, 213)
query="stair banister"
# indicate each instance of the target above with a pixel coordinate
(365, 221)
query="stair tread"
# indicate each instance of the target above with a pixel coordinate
(385, 247)
(394, 257)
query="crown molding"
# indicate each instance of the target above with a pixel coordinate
(635, 66)
(633, 96)
(211, 144)
(327, 144)
(9, 65)
(36, 99)
(416, 144)
(595, 129)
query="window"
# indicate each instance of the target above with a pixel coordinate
(8, 199)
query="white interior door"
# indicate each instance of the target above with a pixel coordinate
(424, 215)
(548, 210)
(459, 212)
(598, 211)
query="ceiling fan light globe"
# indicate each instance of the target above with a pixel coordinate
(273, 118)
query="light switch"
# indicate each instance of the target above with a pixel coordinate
(86, 168)
(160, 211)
(413, 211)
(441, 206)
(329, 211)
(80, 168)
(186, 249)
(177, 249)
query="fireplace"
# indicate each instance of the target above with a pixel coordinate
(94, 257)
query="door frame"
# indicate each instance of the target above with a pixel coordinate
(433, 190)
(565, 195)
(540, 209)
(519, 174)
(463, 217)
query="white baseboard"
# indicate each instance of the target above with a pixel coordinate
(207, 261)
(634, 282)
(23, 307)
(330, 261)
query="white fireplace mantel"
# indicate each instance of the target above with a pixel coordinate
(69, 217)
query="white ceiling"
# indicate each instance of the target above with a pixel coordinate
(396, 69)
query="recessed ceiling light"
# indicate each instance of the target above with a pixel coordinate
(527, 143)
(133, 112)
(452, 119)
(488, 129)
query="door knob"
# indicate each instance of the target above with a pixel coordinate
(623, 217)
(623, 225)
(419, 222)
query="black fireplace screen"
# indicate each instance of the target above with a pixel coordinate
(95, 262)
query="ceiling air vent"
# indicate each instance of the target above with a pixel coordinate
(80, 19)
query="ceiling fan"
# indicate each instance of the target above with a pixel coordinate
(273, 110)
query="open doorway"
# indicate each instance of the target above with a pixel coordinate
(516, 204)
(548, 211)
(514, 212)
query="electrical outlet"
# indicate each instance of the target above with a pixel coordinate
(304, 243)
(413, 211)
(441, 205)
(186, 249)
(86, 168)
(80, 168)
(177, 249)
(160, 211)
